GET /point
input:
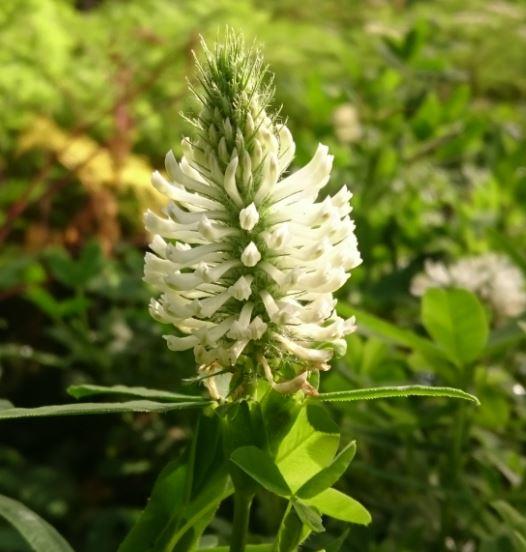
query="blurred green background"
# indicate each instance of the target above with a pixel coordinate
(423, 104)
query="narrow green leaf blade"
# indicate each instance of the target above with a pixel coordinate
(206, 471)
(388, 392)
(373, 325)
(185, 495)
(200, 508)
(511, 516)
(337, 543)
(329, 475)
(456, 320)
(308, 516)
(505, 338)
(35, 531)
(78, 409)
(248, 548)
(88, 390)
(520, 539)
(260, 466)
(166, 499)
(340, 506)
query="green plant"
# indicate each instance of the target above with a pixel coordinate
(426, 124)
(263, 426)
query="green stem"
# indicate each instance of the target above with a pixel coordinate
(461, 431)
(242, 504)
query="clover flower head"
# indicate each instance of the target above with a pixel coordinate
(491, 276)
(246, 257)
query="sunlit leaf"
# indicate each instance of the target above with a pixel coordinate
(329, 475)
(457, 322)
(90, 161)
(335, 504)
(308, 447)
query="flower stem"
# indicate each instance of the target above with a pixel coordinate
(242, 504)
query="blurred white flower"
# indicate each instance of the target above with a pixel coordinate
(246, 259)
(492, 276)
(346, 123)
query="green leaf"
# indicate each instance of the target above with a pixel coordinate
(200, 508)
(309, 446)
(503, 243)
(207, 452)
(520, 540)
(496, 407)
(457, 102)
(414, 39)
(260, 466)
(308, 516)
(335, 504)
(177, 491)
(291, 532)
(505, 338)
(95, 408)
(513, 518)
(87, 390)
(329, 475)
(336, 544)
(279, 413)
(248, 548)
(35, 531)
(43, 300)
(457, 322)
(165, 500)
(428, 116)
(391, 392)
(187, 539)
(243, 427)
(370, 324)
(77, 272)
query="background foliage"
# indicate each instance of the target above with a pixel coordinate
(423, 104)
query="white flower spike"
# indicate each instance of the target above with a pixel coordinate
(246, 259)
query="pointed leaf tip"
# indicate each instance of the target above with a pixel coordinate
(340, 506)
